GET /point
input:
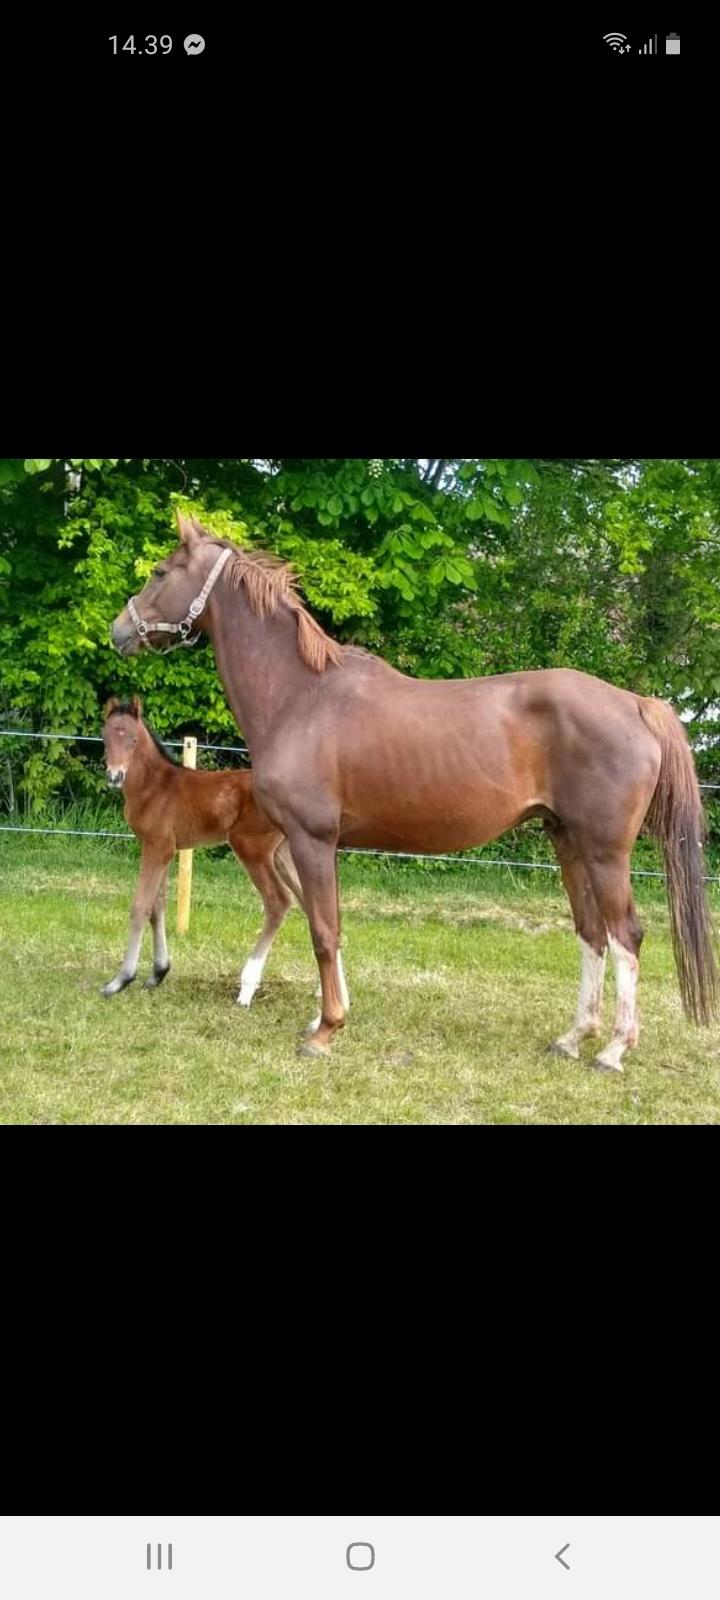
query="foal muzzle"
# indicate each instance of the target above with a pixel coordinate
(116, 776)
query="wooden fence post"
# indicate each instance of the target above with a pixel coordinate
(185, 865)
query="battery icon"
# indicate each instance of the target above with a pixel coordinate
(672, 44)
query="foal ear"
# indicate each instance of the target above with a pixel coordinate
(136, 704)
(189, 530)
(110, 706)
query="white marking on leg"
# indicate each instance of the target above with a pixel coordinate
(590, 1000)
(130, 964)
(625, 1035)
(132, 955)
(160, 949)
(250, 979)
(344, 994)
(254, 967)
(161, 958)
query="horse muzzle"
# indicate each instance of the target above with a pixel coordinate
(124, 637)
(116, 776)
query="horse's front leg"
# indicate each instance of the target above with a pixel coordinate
(153, 868)
(161, 958)
(286, 869)
(344, 993)
(316, 862)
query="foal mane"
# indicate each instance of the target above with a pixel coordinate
(160, 747)
(269, 583)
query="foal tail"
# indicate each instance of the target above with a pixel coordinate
(676, 818)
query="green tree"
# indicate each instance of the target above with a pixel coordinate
(447, 567)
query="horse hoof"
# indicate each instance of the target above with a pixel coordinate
(598, 1065)
(116, 986)
(562, 1050)
(312, 1051)
(156, 977)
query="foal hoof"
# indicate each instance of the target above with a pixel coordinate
(156, 978)
(598, 1065)
(566, 1052)
(308, 1048)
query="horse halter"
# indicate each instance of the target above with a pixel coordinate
(184, 628)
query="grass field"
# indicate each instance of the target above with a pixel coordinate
(459, 980)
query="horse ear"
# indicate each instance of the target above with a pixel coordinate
(110, 706)
(189, 530)
(136, 704)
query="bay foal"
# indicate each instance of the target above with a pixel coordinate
(171, 808)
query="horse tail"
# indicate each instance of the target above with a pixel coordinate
(676, 818)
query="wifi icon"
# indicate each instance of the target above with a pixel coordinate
(615, 40)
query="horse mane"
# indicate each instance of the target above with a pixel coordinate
(268, 583)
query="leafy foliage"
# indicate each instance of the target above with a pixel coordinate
(447, 567)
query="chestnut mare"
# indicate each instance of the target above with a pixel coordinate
(346, 750)
(171, 808)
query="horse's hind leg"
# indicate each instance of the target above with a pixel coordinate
(288, 872)
(593, 943)
(277, 901)
(610, 877)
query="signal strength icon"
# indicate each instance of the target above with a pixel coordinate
(615, 40)
(649, 49)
